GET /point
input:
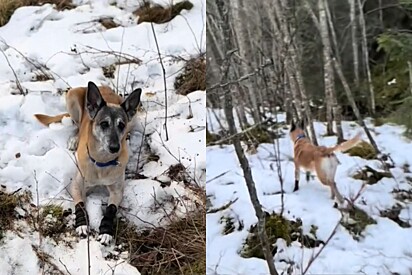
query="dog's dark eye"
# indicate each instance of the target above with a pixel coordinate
(104, 124)
(121, 126)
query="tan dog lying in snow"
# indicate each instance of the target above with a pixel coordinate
(103, 120)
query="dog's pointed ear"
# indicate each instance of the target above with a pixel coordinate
(292, 126)
(131, 103)
(94, 100)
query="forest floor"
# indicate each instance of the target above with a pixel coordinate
(312, 236)
(45, 51)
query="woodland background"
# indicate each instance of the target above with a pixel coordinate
(313, 59)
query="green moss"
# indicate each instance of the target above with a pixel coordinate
(364, 150)
(51, 221)
(277, 227)
(370, 175)
(356, 221)
(211, 138)
(198, 267)
(379, 121)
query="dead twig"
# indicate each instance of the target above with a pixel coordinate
(164, 80)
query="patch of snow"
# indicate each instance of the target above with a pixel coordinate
(384, 249)
(72, 47)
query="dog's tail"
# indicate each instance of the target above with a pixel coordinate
(47, 120)
(344, 146)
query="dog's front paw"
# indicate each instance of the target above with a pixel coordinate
(82, 231)
(72, 143)
(106, 228)
(105, 239)
(81, 219)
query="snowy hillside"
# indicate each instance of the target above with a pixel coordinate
(46, 51)
(378, 242)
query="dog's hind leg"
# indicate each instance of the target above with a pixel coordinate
(78, 193)
(297, 177)
(106, 229)
(335, 192)
(307, 176)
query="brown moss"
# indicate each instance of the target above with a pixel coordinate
(7, 7)
(158, 14)
(8, 204)
(193, 77)
(211, 138)
(370, 175)
(108, 71)
(393, 214)
(154, 251)
(108, 23)
(364, 150)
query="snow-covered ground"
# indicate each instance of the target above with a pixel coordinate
(385, 248)
(72, 47)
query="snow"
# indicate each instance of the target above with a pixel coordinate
(385, 248)
(72, 47)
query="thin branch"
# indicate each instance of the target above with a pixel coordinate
(164, 79)
(14, 73)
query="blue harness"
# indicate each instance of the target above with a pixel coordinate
(300, 136)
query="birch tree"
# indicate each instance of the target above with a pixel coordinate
(353, 25)
(366, 57)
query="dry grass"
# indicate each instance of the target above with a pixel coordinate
(108, 23)
(158, 14)
(7, 7)
(8, 204)
(179, 248)
(193, 77)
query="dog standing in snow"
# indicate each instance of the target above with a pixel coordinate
(318, 159)
(103, 120)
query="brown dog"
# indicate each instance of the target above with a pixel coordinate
(319, 159)
(103, 120)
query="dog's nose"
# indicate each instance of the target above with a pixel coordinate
(114, 148)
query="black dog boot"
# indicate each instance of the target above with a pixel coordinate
(82, 219)
(106, 229)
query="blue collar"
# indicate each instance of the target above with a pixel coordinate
(113, 162)
(300, 136)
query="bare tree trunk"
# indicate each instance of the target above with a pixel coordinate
(243, 39)
(380, 14)
(332, 108)
(328, 54)
(410, 75)
(366, 58)
(353, 104)
(292, 67)
(355, 52)
(223, 7)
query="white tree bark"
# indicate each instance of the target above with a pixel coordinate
(355, 52)
(292, 67)
(366, 57)
(327, 73)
